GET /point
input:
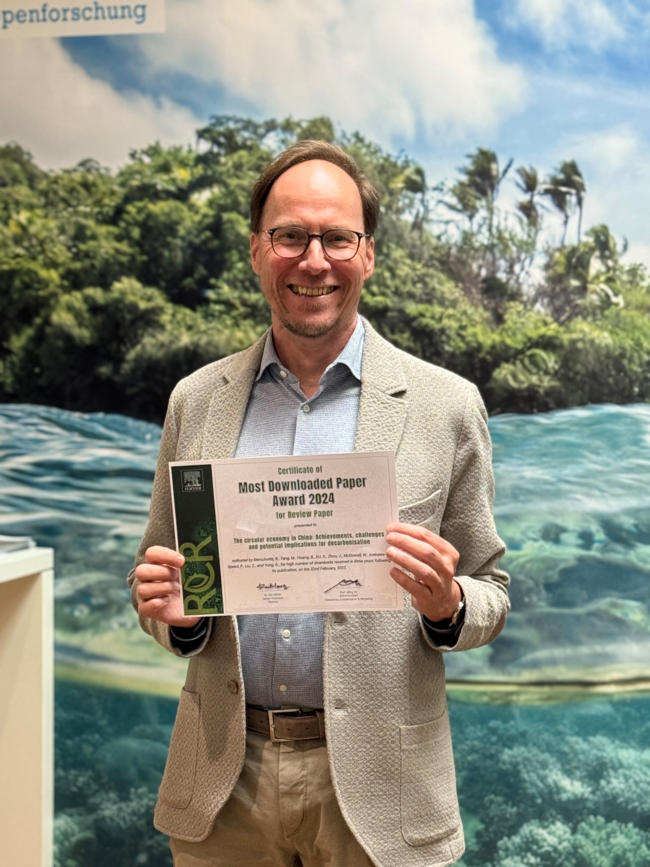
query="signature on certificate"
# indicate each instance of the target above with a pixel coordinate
(273, 586)
(346, 582)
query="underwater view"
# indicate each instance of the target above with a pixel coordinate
(551, 722)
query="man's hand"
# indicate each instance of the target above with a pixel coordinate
(159, 590)
(432, 561)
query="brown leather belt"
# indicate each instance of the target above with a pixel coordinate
(287, 724)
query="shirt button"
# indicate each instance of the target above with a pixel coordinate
(283, 688)
(305, 408)
(283, 374)
(233, 687)
(286, 633)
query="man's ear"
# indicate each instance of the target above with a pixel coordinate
(369, 258)
(255, 251)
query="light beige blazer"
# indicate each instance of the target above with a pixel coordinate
(385, 707)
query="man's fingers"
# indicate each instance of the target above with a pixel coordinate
(422, 551)
(420, 594)
(164, 556)
(421, 533)
(156, 590)
(153, 607)
(162, 608)
(148, 572)
(423, 573)
(426, 600)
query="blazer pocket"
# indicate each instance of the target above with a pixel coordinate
(428, 801)
(177, 784)
(426, 512)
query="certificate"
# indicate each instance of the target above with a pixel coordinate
(287, 534)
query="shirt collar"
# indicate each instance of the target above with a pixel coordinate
(350, 356)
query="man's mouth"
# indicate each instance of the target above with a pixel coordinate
(311, 291)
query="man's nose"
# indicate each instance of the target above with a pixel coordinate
(314, 258)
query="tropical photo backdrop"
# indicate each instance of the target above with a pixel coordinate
(510, 143)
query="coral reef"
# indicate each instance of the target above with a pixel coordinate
(110, 753)
(567, 785)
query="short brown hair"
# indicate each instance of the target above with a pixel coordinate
(302, 152)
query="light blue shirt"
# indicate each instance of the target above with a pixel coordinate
(282, 654)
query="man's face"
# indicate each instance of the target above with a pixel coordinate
(315, 196)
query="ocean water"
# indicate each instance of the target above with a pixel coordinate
(573, 506)
(551, 722)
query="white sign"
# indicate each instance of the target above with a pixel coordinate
(23, 18)
(294, 533)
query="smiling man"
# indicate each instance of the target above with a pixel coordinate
(363, 774)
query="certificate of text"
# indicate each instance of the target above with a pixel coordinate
(286, 534)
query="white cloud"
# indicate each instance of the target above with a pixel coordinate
(54, 109)
(389, 69)
(610, 152)
(594, 23)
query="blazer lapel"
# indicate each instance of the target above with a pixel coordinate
(228, 404)
(383, 405)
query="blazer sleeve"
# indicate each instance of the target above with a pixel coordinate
(160, 528)
(468, 523)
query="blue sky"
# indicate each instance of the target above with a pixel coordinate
(538, 80)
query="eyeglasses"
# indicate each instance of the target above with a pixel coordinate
(290, 242)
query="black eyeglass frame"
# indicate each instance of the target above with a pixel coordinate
(310, 235)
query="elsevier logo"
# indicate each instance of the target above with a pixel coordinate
(192, 480)
(47, 14)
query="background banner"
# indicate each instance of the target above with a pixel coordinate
(510, 142)
(25, 20)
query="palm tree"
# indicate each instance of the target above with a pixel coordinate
(560, 197)
(566, 188)
(528, 183)
(571, 178)
(465, 201)
(483, 174)
(479, 185)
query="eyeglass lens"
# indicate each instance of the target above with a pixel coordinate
(292, 242)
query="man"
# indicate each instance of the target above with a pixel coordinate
(364, 774)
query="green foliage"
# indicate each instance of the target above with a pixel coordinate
(73, 354)
(152, 367)
(113, 285)
(17, 167)
(585, 279)
(125, 347)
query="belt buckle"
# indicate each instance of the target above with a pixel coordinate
(272, 723)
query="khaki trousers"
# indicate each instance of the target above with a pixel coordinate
(282, 813)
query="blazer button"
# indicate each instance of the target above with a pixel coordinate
(233, 687)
